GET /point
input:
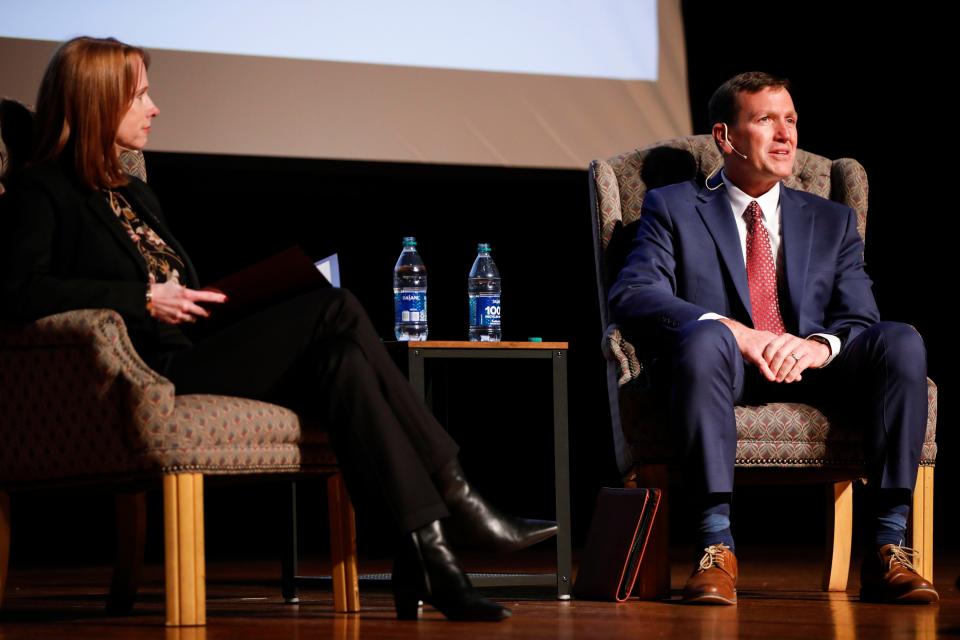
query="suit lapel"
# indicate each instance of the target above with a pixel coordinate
(146, 207)
(715, 212)
(796, 222)
(98, 202)
(101, 208)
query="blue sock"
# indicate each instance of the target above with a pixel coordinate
(715, 521)
(891, 509)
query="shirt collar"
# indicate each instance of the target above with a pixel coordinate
(739, 200)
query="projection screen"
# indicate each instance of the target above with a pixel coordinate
(531, 83)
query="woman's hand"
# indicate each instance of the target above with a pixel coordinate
(173, 303)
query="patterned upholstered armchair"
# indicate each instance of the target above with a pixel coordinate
(777, 442)
(80, 407)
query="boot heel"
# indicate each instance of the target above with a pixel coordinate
(405, 578)
(407, 605)
(426, 568)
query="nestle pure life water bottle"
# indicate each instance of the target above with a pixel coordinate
(483, 291)
(410, 294)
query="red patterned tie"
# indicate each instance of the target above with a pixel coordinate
(762, 274)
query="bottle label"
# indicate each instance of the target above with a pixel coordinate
(485, 310)
(410, 306)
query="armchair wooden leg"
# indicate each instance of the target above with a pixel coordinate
(836, 566)
(921, 524)
(131, 512)
(4, 541)
(185, 567)
(653, 581)
(343, 547)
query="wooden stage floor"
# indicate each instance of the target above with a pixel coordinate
(779, 598)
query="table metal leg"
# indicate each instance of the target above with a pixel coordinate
(561, 453)
(415, 371)
(288, 563)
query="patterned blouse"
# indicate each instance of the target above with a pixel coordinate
(163, 263)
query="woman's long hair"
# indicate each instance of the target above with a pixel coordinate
(86, 90)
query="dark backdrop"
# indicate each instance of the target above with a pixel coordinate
(864, 88)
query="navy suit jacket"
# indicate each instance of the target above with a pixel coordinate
(687, 260)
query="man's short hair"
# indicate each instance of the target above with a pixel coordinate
(723, 104)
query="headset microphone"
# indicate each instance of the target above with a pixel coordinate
(727, 138)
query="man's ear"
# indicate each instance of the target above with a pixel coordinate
(720, 137)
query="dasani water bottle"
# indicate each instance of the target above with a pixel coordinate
(483, 292)
(410, 294)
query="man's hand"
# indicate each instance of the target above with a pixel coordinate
(173, 303)
(780, 358)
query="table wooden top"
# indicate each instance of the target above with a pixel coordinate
(464, 344)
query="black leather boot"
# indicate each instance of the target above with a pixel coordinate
(426, 569)
(475, 523)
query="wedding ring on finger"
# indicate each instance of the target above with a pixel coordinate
(795, 357)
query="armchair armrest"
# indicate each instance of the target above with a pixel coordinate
(101, 329)
(75, 395)
(617, 350)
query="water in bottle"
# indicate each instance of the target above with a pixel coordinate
(483, 291)
(410, 294)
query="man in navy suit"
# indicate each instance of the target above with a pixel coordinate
(750, 292)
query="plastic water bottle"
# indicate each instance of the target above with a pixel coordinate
(483, 291)
(410, 294)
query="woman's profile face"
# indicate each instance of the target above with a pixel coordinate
(134, 128)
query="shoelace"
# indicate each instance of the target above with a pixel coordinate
(904, 556)
(713, 556)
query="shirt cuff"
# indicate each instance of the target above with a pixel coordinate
(833, 342)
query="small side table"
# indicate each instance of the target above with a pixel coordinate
(419, 352)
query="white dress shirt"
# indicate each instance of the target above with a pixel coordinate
(770, 205)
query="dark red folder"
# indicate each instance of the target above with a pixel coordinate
(272, 280)
(615, 543)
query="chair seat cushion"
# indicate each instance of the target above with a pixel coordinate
(770, 435)
(222, 435)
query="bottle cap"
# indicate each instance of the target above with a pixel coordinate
(534, 339)
(409, 241)
(483, 246)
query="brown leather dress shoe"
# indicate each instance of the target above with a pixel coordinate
(714, 581)
(889, 576)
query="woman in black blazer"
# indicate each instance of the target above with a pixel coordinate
(83, 234)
